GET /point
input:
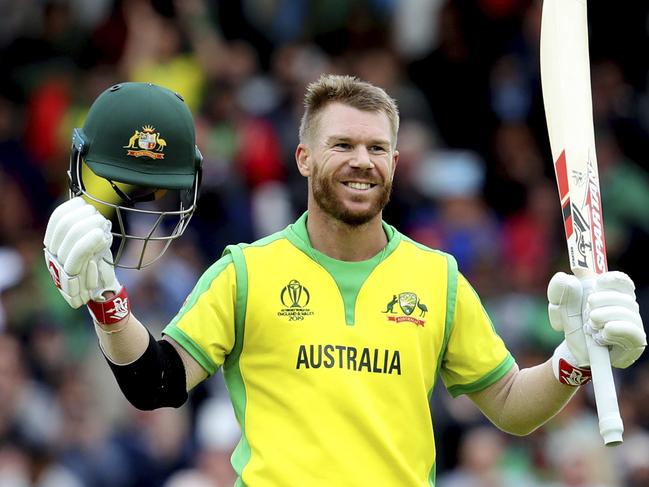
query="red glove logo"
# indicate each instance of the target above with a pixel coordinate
(110, 312)
(119, 311)
(572, 375)
(54, 272)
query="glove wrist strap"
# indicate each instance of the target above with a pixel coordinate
(565, 370)
(112, 310)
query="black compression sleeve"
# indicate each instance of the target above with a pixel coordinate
(155, 380)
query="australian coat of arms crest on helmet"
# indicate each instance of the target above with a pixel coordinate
(146, 142)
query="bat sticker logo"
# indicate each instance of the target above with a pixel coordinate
(593, 200)
(583, 239)
(578, 177)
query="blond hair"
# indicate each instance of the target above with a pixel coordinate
(350, 91)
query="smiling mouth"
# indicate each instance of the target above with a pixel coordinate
(357, 185)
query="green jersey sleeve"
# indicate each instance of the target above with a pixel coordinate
(204, 325)
(475, 355)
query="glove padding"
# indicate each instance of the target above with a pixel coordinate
(611, 316)
(565, 312)
(77, 252)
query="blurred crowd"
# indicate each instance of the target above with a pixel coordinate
(475, 179)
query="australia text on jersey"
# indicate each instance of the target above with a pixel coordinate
(349, 358)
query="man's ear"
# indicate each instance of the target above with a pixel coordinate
(303, 160)
(395, 161)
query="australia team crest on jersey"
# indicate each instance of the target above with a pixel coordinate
(295, 299)
(146, 142)
(410, 309)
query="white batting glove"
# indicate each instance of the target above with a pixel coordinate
(570, 360)
(611, 316)
(565, 312)
(77, 241)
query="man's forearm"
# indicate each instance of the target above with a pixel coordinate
(123, 342)
(150, 373)
(524, 399)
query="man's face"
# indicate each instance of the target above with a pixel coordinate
(350, 163)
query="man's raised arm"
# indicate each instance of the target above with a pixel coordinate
(151, 373)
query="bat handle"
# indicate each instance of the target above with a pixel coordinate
(610, 422)
(608, 412)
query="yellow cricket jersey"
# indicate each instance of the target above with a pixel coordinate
(330, 364)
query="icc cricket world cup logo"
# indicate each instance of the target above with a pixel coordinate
(295, 298)
(295, 295)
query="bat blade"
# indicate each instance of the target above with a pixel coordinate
(565, 79)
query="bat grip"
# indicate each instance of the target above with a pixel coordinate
(608, 412)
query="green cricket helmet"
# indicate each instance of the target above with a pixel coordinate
(140, 138)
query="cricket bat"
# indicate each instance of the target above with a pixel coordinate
(565, 79)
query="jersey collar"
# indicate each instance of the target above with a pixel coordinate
(298, 235)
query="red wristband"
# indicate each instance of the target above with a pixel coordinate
(572, 375)
(111, 311)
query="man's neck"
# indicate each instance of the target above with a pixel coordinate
(345, 242)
